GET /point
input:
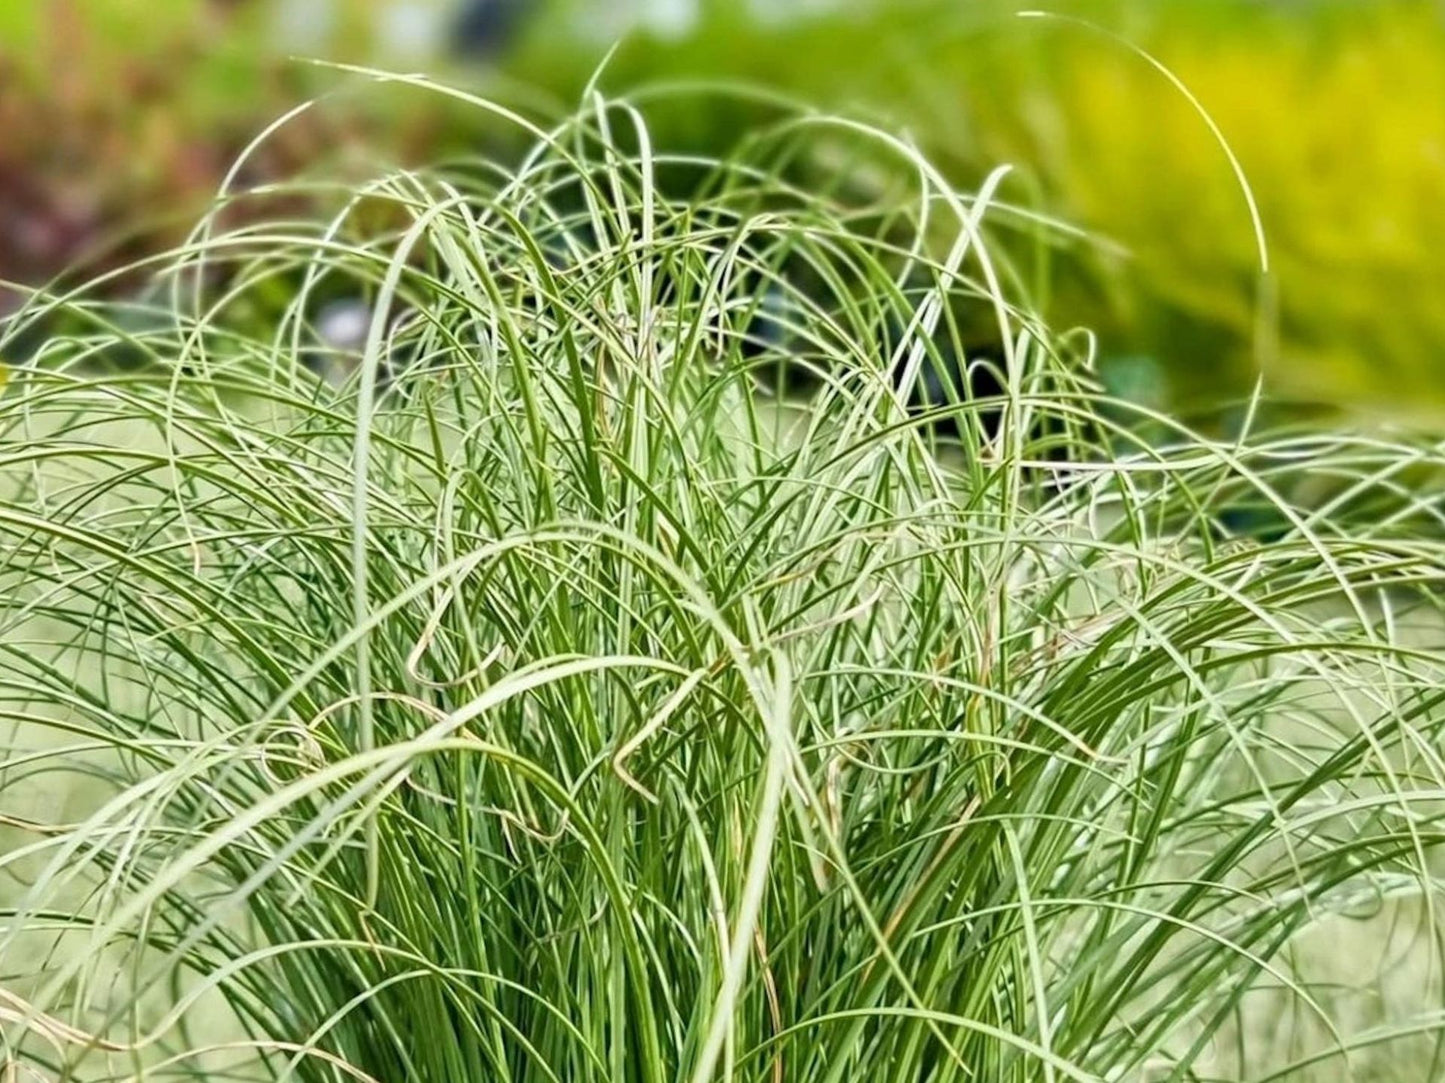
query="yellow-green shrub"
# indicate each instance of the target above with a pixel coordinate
(1337, 114)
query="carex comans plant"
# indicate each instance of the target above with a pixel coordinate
(541, 695)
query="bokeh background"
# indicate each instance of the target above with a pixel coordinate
(118, 119)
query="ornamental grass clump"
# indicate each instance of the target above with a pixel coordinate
(542, 690)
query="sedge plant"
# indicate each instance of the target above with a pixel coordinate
(544, 691)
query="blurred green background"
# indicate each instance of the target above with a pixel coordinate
(119, 117)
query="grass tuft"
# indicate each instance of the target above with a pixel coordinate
(534, 689)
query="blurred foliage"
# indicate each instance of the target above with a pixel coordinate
(1336, 112)
(115, 110)
(1341, 132)
(120, 119)
(114, 114)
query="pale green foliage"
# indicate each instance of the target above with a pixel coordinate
(548, 700)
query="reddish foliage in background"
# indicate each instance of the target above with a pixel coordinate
(105, 157)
